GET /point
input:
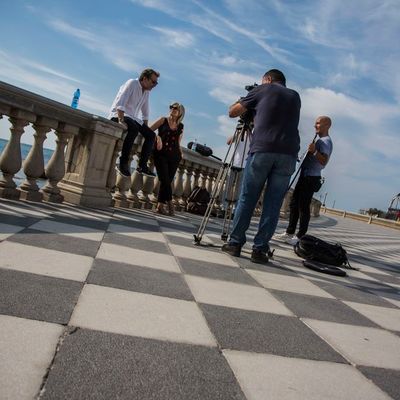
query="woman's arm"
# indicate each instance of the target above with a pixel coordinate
(179, 142)
(155, 125)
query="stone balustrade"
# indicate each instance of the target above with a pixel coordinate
(79, 169)
(82, 167)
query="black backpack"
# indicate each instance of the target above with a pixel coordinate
(198, 201)
(318, 251)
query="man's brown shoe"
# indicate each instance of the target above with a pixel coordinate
(259, 257)
(231, 249)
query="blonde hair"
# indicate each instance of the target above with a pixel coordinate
(181, 111)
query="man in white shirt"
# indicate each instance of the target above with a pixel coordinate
(132, 100)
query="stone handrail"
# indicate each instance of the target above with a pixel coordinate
(82, 167)
(369, 219)
(78, 175)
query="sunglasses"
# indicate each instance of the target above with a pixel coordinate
(155, 83)
(174, 108)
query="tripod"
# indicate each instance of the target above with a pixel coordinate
(242, 132)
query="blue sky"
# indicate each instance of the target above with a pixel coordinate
(343, 57)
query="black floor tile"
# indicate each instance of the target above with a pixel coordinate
(54, 241)
(215, 271)
(37, 297)
(347, 292)
(98, 365)
(139, 279)
(323, 309)
(387, 379)
(266, 333)
(136, 243)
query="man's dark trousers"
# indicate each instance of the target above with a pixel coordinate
(300, 204)
(133, 129)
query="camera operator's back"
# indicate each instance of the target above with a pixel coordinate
(276, 120)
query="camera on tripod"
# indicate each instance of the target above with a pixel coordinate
(248, 116)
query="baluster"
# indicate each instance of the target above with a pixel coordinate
(178, 187)
(187, 185)
(34, 163)
(122, 185)
(196, 176)
(147, 189)
(55, 169)
(112, 174)
(203, 178)
(154, 196)
(11, 160)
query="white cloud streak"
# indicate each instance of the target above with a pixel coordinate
(175, 38)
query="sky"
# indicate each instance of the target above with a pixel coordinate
(343, 57)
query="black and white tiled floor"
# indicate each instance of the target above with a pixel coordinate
(119, 304)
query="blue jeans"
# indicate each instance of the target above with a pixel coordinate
(275, 169)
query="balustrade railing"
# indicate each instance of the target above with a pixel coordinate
(82, 167)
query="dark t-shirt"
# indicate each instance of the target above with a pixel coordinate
(170, 140)
(276, 120)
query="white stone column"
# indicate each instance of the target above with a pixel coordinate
(34, 163)
(178, 186)
(55, 169)
(187, 185)
(11, 160)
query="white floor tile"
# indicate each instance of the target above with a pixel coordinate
(37, 260)
(123, 254)
(265, 376)
(139, 314)
(77, 231)
(135, 218)
(200, 254)
(388, 318)
(288, 283)
(234, 295)
(359, 344)
(26, 350)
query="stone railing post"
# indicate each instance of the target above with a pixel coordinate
(196, 175)
(153, 196)
(284, 212)
(147, 190)
(178, 186)
(90, 158)
(55, 169)
(11, 160)
(34, 163)
(187, 185)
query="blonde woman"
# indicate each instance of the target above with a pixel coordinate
(168, 153)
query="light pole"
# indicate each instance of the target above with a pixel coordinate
(326, 194)
(333, 205)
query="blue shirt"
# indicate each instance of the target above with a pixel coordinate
(276, 118)
(311, 165)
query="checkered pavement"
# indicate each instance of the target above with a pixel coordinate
(119, 304)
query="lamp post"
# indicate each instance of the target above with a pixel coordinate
(323, 204)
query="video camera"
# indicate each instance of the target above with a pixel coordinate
(248, 116)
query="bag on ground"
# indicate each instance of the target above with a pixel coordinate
(198, 200)
(314, 249)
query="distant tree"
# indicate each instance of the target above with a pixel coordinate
(376, 212)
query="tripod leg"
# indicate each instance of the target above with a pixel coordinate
(221, 178)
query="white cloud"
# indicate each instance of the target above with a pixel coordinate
(55, 84)
(226, 126)
(175, 38)
(110, 47)
(319, 101)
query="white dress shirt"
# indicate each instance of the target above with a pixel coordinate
(132, 100)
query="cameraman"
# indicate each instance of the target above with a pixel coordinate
(272, 159)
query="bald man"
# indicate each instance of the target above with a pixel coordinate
(309, 182)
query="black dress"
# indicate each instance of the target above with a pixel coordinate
(167, 159)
